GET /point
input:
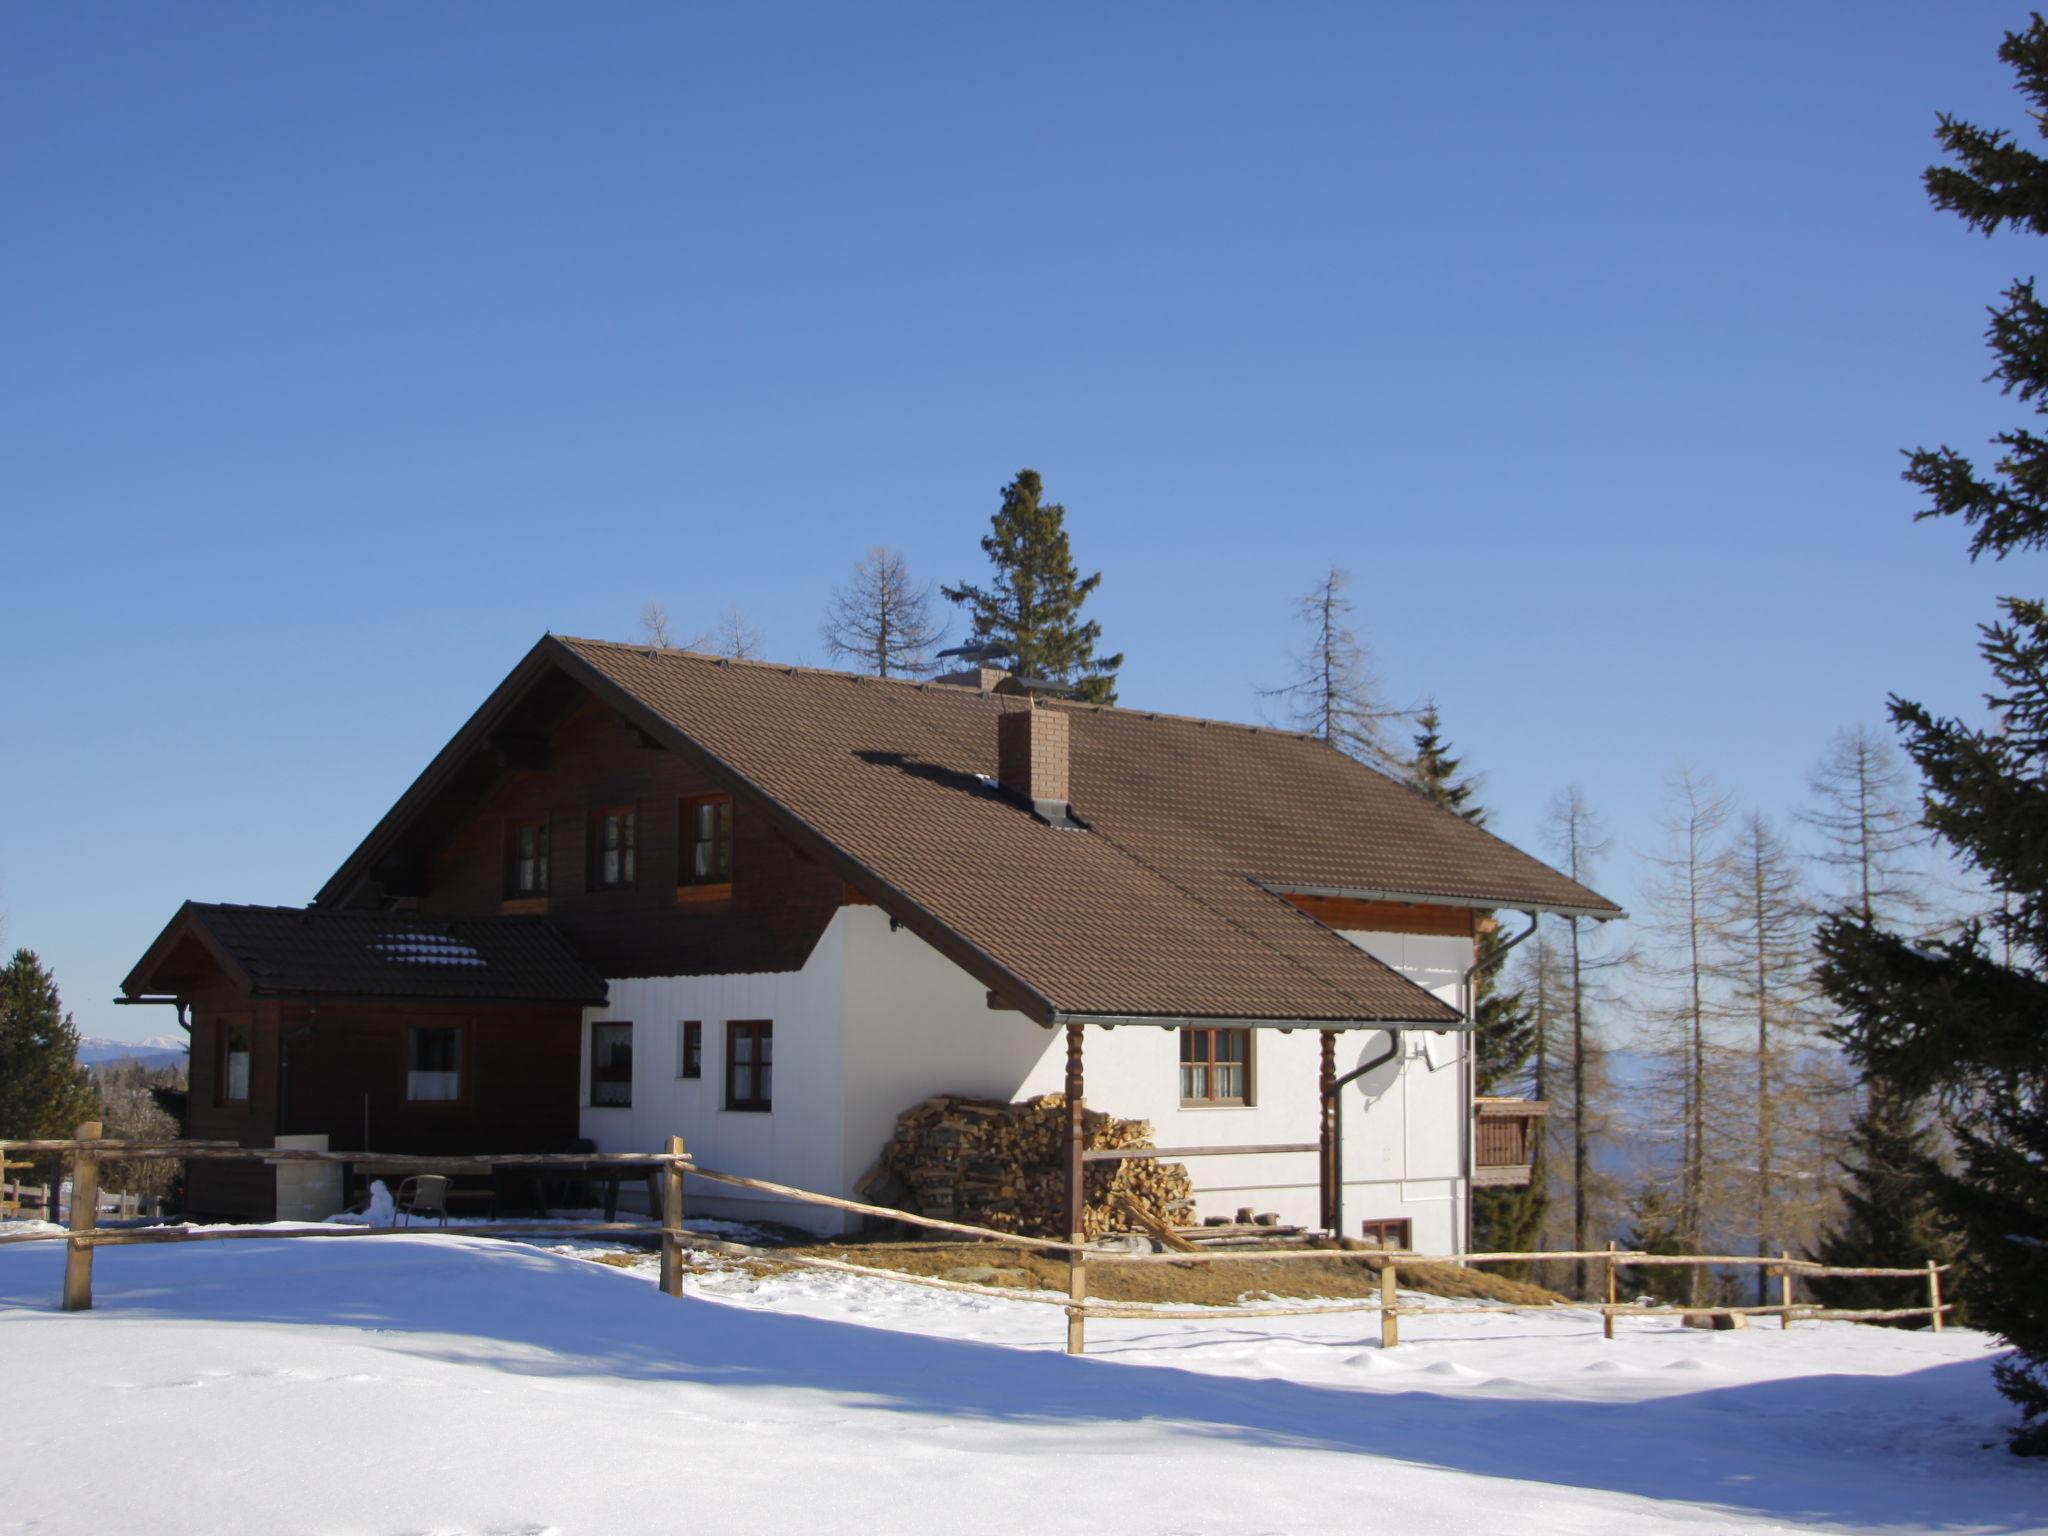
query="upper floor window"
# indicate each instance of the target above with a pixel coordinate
(690, 1048)
(705, 857)
(1215, 1066)
(235, 1054)
(749, 1064)
(614, 839)
(526, 858)
(611, 1065)
(433, 1064)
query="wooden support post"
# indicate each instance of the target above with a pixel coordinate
(85, 1205)
(671, 1220)
(1077, 1294)
(1390, 1315)
(1785, 1289)
(1326, 1138)
(1077, 1190)
(1613, 1294)
(1934, 1294)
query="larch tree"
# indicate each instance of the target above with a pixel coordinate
(881, 619)
(1034, 599)
(1585, 961)
(654, 626)
(1865, 816)
(1504, 1030)
(1682, 899)
(1335, 693)
(1957, 1019)
(732, 636)
(1765, 954)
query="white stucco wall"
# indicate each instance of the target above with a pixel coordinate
(877, 1020)
(797, 1142)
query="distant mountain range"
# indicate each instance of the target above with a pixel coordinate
(157, 1051)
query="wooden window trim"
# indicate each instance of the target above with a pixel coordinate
(1250, 1096)
(515, 896)
(594, 847)
(689, 1032)
(711, 889)
(759, 1030)
(222, 1024)
(1378, 1229)
(463, 1034)
(627, 1102)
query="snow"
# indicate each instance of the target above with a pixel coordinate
(452, 1384)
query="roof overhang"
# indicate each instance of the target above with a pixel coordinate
(1469, 903)
(1454, 1023)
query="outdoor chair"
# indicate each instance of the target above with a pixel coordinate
(424, 1195)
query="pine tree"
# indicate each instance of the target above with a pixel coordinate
(1957, 1019)
(1335, 694)
(881, 618)
(1657, 1226)
(44, 1092)
(1889, 1215)
(1504, 1041)
(1034, 602)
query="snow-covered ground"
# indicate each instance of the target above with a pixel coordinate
(448, 1384)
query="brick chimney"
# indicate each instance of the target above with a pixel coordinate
(984, 678)
(1033, 748)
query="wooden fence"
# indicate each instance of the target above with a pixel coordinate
(673, 1164)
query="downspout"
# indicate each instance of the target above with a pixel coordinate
(1471, 997)
(1337, 1125)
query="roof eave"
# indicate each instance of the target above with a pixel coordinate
(1599, 914)
(1449, 1020)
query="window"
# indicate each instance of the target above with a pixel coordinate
(611, 1066)
(526, 859)
(233, 1087)
(1387, 1234)
(1215, 1066)
(749, 1064)
(433, 1064)
(690, 1048)
(613, 837)
(705, 857)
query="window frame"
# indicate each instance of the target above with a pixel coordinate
(1378, 1229)
(224, 1026)
(1210, 1063)
(543, 858)
(689, 1050)
(629, 813)
(689, 884)
(609, 1074)
(758, 1031)
(460, 1029)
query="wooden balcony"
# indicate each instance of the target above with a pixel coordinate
(1505, 1133)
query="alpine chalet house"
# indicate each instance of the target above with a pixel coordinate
(646, 893)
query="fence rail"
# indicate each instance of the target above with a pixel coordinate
(674, 1164)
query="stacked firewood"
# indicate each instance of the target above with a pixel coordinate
(1001, 1165)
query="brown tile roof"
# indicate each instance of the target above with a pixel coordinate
(316, 952)
(1158, 907)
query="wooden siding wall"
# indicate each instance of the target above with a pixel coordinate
(1342, 913)
(780, 904)
(312, 1067)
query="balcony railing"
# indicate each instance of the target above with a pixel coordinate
(1504, 1148)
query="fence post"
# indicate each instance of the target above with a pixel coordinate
(671, 1221)
(1785, 1290)
(1934, 1294)
(1613, 1295)
(1077, 1296)
(85, 1205)
(1390, 1312)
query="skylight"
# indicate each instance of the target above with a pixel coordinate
(419, 947)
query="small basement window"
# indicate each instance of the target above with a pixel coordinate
(749, 1064)
(690, 1048)
(433, 1064)
(233, 1084)
(526, 859)
(1215, 1066)
(614, 836)
(611, 1065)
(1389, 1233)
(705, 857)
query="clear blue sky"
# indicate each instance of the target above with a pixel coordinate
(348, 349)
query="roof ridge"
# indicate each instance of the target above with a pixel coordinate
(790, 668)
